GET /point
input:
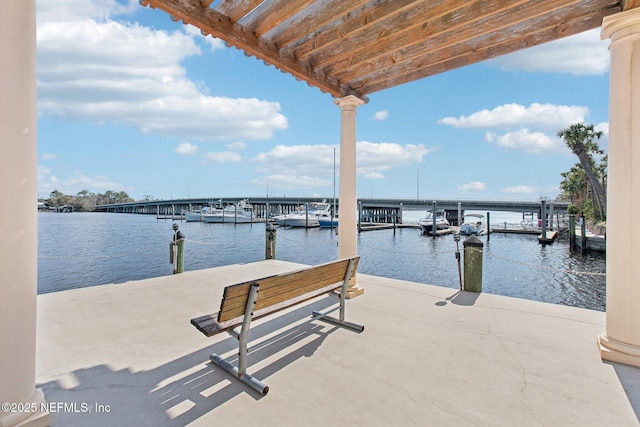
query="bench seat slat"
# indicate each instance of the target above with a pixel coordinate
(242, 289)
(266, 300)
(209, 325)
(279, 288)
(233, 307)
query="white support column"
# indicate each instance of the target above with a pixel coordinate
(19, 226)
(348, 207)
(621, 342)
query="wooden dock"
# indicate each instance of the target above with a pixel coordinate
(515, 230)
(370, 226)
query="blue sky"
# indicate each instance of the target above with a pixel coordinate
(129, 100)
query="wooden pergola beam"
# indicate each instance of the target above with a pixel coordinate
(211, 22)
(469, 55)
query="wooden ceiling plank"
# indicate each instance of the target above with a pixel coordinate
(271, 14)
(492, 25)
(491, 48)
(419, 23)
(393, 46)
(356, 22)
(371, 84)
(630, 4)
(310, 23)
(441, 32)
(211, 22)
(236, 9)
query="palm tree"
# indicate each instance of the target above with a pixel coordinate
(581, 139)
(574, 185)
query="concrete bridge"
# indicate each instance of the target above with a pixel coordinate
(379, 210)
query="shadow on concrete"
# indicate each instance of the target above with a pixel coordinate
(460, 298)
(630, 379)
(181, 391)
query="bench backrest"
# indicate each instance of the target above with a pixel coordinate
(283, 287)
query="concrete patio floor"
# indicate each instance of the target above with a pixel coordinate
(126, 355)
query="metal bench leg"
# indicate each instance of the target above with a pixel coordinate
(343, 297)
(252, 382)
(240, 371)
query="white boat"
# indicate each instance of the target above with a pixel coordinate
(473, 224)
(426, 223)
(305, 217)
(200, 215)
(241, 212)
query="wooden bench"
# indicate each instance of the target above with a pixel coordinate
(247, 301)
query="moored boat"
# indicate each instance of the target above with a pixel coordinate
(241, 212)
(201, 214)
(473, 224)
(441, 221)
(305, 216)
(326, 220)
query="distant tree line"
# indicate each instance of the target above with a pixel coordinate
(86, 200)
(584, 185)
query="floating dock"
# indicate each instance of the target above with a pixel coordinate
(549, 238)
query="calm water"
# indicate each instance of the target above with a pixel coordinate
(88, 249)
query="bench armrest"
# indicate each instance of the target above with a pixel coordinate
(209, 325)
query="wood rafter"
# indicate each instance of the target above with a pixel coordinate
(503, 30)
(357, 47)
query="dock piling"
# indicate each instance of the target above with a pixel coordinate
(473, 264)
(270, 242)
(572, 232)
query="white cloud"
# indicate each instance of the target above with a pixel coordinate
(49, 156)
(223, 157)
(379, 157)
(472, 186)
(581, 54)
(96, 69)
(381, 115)
(43, 170)
(298, 159)
(541, 116)
(374, 175)
(187, 148)
(603, 142)
(530, 129)
(74, 10)
(212, 42)
(236, 146)
(371, 158)
(312, 165)
(520, 189)
(292, 182)
(75, 183)
(527, 141)
(602, 127)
